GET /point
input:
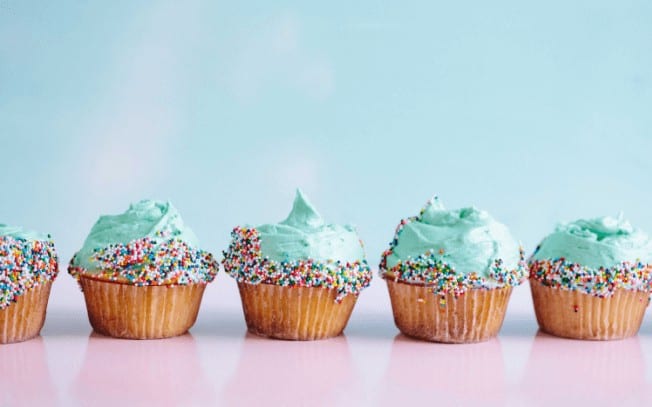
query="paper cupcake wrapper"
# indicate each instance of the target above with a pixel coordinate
(576, 315)
(140, 312)
(475, 316)
(294, 313)
(24, 319)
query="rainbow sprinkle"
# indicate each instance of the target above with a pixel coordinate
(244, 261)
(601, 282)
(24, 264)
(147, 261)
(431, 270)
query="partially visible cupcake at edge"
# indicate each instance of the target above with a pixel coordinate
(298, 279)
(450, 274)
(142, 273)
(28, 266)
(591, 279)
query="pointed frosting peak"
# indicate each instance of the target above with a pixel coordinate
(433, 204)
(303, 213)
(305, 235)
(433, 210)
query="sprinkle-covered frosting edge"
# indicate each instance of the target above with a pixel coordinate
(150, 262)
(600, 282)
(25, 264)
(244, 261)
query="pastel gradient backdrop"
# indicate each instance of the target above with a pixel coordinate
(537, 113)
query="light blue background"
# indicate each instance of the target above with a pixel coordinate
(535, 112)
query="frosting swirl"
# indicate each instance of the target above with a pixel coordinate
(465, 247)
(600, 242)
(147, 245)
(595, 256)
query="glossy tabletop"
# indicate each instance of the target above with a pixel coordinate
(218, 363)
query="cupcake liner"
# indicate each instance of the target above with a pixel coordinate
(577, 315)
(295, 313)
(24, 319)
(475, 316)
(140, 312)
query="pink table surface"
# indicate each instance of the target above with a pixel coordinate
(218, 363)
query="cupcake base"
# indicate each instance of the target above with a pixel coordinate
(146, 312)
(24, 319)
(475, 316)
(294, 313)
(577, 315)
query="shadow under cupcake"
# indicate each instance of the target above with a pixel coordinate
(25, 378)
(576, 372)
(142, 373)
(293, 373)
(460, 375)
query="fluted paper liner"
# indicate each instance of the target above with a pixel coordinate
(140, 312)
(576, 315)
(294, 313)
(24, 319)
(475, 316)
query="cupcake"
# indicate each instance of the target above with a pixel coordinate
(142, 273)
(450, 274)
(298, 279)
(28, 266)
(591, 279)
